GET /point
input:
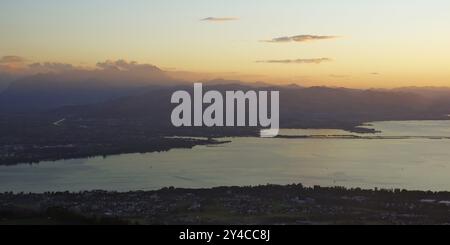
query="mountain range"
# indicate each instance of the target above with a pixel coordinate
(145, 95)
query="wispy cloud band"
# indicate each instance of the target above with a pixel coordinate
(11, 59)
(297, 61)
(219, 19)
(299, 38)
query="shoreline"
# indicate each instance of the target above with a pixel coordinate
(52, 153)
(36, 150)
(260, 205)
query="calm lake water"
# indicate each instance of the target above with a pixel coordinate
(416, 163)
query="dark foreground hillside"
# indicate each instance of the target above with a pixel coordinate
(269, 204)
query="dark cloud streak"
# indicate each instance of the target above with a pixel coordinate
(219, 19)
(299, 38)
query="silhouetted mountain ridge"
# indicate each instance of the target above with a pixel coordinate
(52, 90)
(299, 107)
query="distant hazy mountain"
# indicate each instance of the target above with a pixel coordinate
(81, 87)
(299, 107)
(429, 92)
(5, 80)
(53, 90)
(144, 92)
(236, 82)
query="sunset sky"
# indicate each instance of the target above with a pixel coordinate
(352, 43)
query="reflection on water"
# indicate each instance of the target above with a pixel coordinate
(418, 163)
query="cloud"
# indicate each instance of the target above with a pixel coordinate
(297, 61)
(12, 59)
(115, 71)
(219, 19)
(12, 63)
(21, 66)
(50, 67)
(130, 71)
(123, 65)
(300, 38)
(10, 68)
(339, 75)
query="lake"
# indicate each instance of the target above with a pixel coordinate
(415, 163)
